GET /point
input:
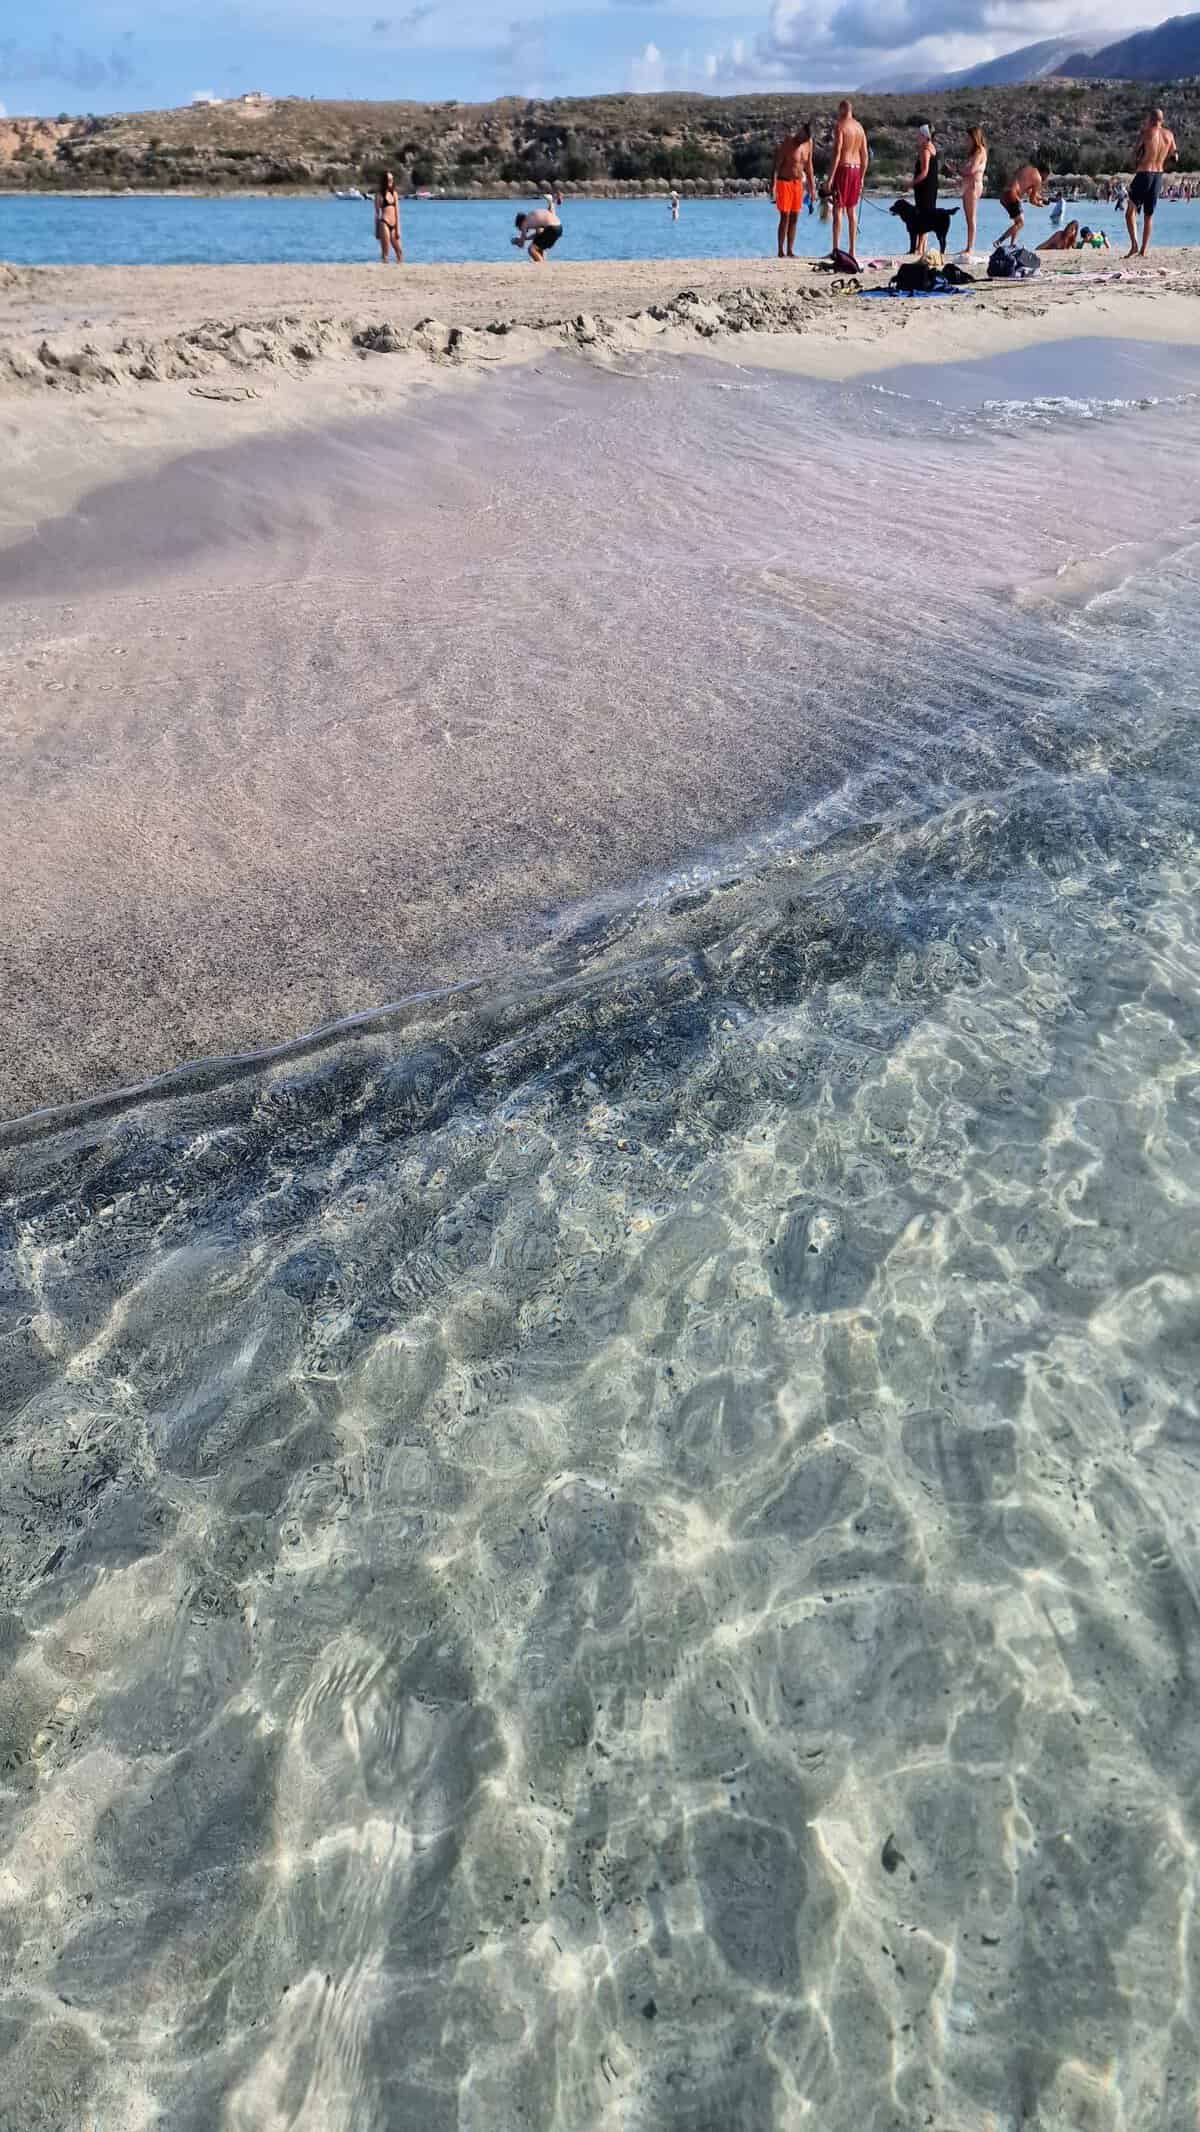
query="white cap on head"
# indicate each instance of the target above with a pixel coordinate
(926, 132)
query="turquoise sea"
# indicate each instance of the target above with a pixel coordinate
(138, 230)
(617, 1548)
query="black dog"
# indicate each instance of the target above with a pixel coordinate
(940, 227)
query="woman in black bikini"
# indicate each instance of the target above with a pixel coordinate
(387, 218)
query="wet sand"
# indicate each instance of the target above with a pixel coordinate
(301, 730)
(626, 1557)
(105, 370)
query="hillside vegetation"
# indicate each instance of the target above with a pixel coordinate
(1076, 128)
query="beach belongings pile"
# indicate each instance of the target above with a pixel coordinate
(1011, 262)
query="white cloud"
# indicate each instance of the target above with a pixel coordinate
(523, 60)
(653, 69)
(648, 71)
(838, 43)
(3, 110)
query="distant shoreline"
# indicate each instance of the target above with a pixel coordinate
(731, 193)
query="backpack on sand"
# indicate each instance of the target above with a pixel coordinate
(1012, 263)
(919, 277)
(839, 262)
(915, 277)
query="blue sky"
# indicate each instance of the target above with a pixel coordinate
(114, 55)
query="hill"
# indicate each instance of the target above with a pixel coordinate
(1170, 52)
(1030, 62)
(588, 143)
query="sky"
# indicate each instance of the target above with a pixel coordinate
(123, 55)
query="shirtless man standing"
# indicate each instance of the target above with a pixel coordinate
(1028, 184)
(793, 179)
(849, 168)
(1155, 149)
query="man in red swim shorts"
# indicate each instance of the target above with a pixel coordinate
(793, 180)
(850, 158)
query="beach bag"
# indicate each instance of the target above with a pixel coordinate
(1012, 263)
(839, 262)
(957, 277)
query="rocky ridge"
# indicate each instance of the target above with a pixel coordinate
(586, 144)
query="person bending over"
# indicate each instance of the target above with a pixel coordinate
(540, 230)
(1028, 185)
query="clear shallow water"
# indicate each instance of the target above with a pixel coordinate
(144, 231)
(620, 1548)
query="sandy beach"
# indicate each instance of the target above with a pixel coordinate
(232, 352)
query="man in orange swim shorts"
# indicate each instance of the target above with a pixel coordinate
(849, 168)
(793, 180)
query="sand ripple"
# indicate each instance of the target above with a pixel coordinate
(626, 1556)
(619, 1550)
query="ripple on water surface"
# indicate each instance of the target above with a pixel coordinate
(622, 1552)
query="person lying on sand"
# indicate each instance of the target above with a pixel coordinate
(1155, 149)
(1028, 184)
(1063, 240)
(540, 231)
(795, 181)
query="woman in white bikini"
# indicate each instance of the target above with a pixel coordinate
(972, 181)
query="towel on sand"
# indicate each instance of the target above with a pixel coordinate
(907, 295)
